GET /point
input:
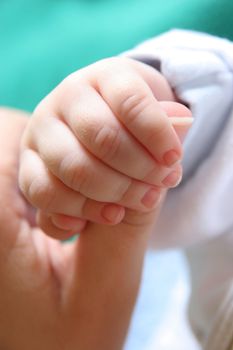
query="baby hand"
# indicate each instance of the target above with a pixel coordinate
(101, 143)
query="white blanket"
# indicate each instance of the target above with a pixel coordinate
(200, 69)
(199, 213)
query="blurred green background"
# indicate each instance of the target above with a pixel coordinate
(43, 41)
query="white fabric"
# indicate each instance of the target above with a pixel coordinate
(174, 326)
(200, 69)
(198, 215)
(211, 302)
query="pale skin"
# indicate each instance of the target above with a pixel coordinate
(101, 143)
(78, 295)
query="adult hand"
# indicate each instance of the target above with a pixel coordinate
(53, 295)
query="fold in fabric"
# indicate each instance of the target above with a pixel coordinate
(198, 214)
(200, 69)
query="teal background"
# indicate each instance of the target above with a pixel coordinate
(43, 41)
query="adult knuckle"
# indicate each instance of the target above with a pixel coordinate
(138, 220)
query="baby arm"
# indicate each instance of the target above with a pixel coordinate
(100, 144)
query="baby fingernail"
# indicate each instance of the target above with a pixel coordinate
(171, 157)
(65, 222)
(182, 125)
(113, 213)
(173, 179)
(79, 225)
(151, 198)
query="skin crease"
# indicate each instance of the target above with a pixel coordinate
(63, 164)
(71, 296)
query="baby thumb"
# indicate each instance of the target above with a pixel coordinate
(180, 117)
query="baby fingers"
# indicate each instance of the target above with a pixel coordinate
(59, 227)
(79, 170)
(51, 196)
(135, 105)
(100, 131)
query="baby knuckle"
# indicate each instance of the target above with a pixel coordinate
(158, 131)
(122, 190)
(110, 64)
(78, 178)
(23, 180)
(41, 194)
(66, 84)
(81, 179)
(106, 142)
(74, 173)
(132, 105)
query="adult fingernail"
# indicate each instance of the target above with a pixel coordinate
(113, 213)
(151, 198)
